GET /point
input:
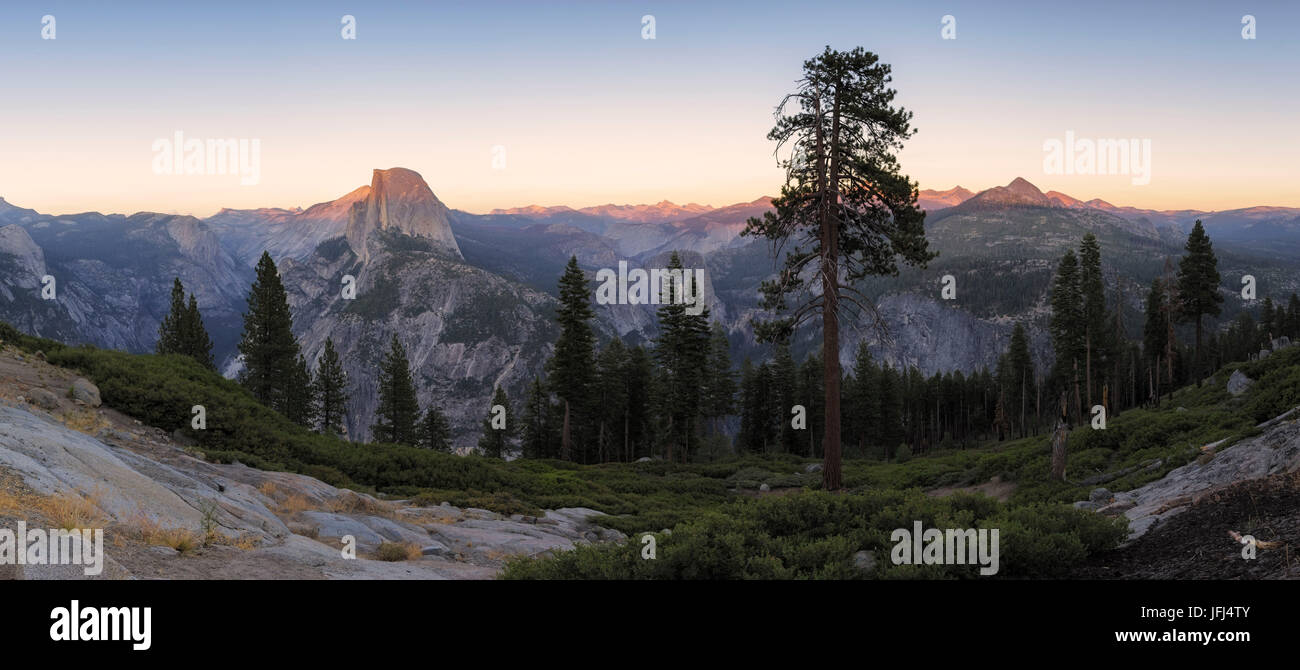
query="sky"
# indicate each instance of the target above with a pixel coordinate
(504, 104)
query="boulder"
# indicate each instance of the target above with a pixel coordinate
(1100, 495)
(813, 467)
(865, 561)
(1238, 383)
(43, 399)
(85, 391)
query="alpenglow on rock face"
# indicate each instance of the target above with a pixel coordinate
(399, 199)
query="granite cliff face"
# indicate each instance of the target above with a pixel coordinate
(465, 330)
(113, 275)
(400, 201)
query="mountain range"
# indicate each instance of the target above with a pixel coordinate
(472, 296)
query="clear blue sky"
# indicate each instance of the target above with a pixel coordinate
(589, 112)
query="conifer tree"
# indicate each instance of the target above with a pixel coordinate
(1019, 381)
(300, 404)
(572, 364)
(331, 386)
(1293, 318)
(182, 332)
(1067, 324)
(1092, 291)
(536, 425)
(497, 433)
(268, 346)
(719, 380)
(434, 431)
(845, 212)
(611, 411)
(170, 330)
(681, 352)
(639, 377)
(1198, 285)
(783, 378)
(398, 411)
(195, 342)
(864, 399)
(1155, 333)
(891, 409)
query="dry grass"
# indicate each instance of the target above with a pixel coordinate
(150, 532)
(10, 502)
(83, 420)
(296, 503)
(398, 551)
(351, 503)
(68, 510)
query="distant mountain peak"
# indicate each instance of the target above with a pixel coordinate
(399, 199)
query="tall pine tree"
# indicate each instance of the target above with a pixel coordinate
(331, 385)
(498, 427)
(846, 211)
(398, 411)
(268, 347)
(1198, 286)
(434, 431)
(182, 332)
(572, 365)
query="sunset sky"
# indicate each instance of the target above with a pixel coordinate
(589, 112)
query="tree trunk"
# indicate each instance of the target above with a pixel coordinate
(564, 434)
(1058, 450)
(1198, 350)
(1058, 440)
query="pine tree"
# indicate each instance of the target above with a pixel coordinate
(194, 337)
(572, 365)
(497, 433)
(398, 411)
(1198, 285)
(1067, 324)
(864, 397)
(1293, 318)
(537, 438)
(846, 210)
(1155, 333)
(891, 409)
(182, 332)
(809, 393)
(434, 432)
(719, 380)
(1092, 290)
(170, 330)
(638, 375)
(681, 352)
(268, 346)
(1019, 379)
(300, 405)
(331, 386)
(611, 411)
(784, 375)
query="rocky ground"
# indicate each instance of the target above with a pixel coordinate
(68, 461)
(1180, 526)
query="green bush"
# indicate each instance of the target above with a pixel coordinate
(815, 535)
